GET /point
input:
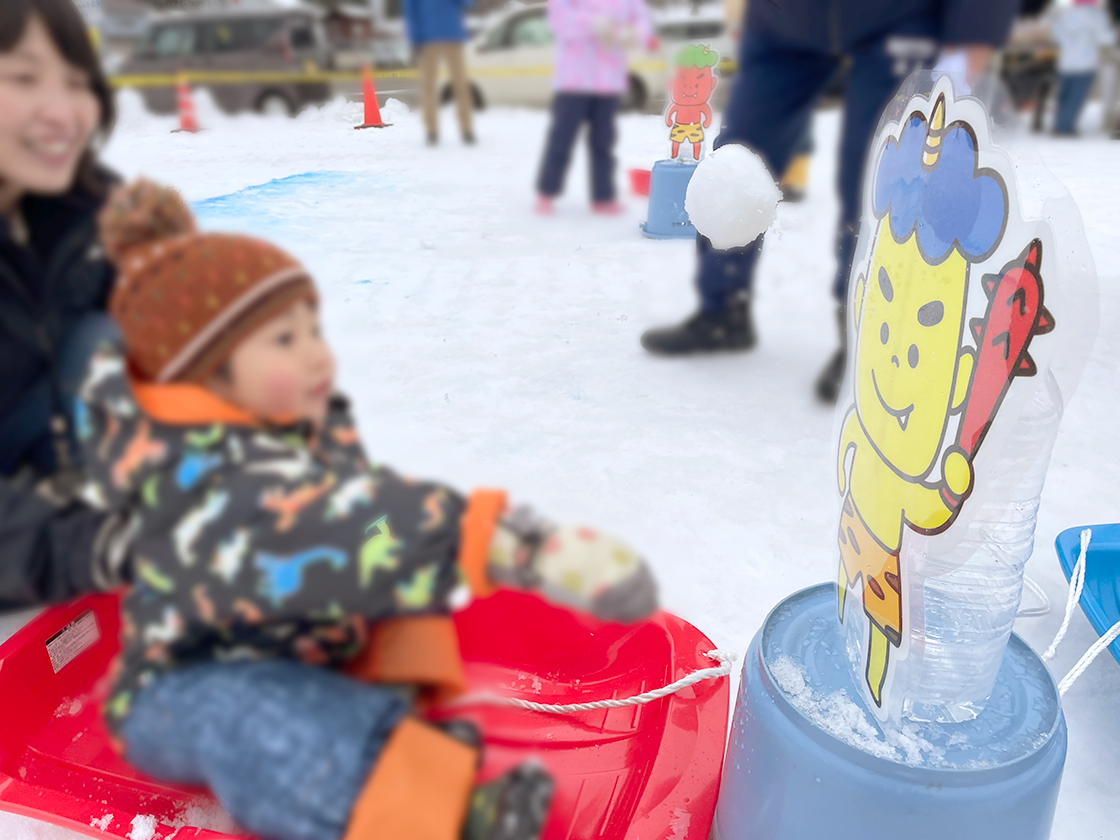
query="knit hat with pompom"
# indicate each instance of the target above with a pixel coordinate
(184, 299)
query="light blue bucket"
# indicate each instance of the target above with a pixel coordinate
(667, 219)
(786, 778)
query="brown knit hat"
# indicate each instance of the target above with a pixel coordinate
(184, 299)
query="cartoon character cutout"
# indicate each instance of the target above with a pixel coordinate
(927, 381)
(689, 113)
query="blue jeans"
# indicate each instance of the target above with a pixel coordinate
(285, 747)
(770, 109)
(1073, 90)
(26, 431)
(569, 112)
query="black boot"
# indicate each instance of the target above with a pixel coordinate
(729, 329)
(832, 377)
(511, 807)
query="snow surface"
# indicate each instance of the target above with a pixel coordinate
(489, 347)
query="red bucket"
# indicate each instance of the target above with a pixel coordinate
(639, 181)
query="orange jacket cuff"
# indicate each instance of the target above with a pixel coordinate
(421, 651)
(484, 508)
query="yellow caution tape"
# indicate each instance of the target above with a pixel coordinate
(310, 75)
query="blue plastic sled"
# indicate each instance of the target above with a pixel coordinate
(1100, 599)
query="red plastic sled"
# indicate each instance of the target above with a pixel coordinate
(640, 773)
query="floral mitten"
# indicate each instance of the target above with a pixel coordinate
(575, 566)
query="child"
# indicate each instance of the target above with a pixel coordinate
(270, 555)
(591, 76)
(1080, 31)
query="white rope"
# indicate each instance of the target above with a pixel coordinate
(724, 659)
(1043, 608)
(1085, 661)
(1076, 584)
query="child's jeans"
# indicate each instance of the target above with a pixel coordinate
(286, 748)
(569, 112)
(1073, 90)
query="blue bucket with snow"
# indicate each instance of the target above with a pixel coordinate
(807, 759)
(666, 218)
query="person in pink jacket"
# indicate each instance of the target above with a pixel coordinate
(592, 37)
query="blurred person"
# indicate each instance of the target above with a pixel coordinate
(789, 52)
(437, 33)
(292, 604)
(1080, 31)
(592, 37)
(55, 107)
(794, 183)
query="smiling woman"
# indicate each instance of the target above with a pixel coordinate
(54, 98)
(55, 105)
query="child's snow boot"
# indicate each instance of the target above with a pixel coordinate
(607, 208)
(579, 567)
(729, 329)
(511, 807)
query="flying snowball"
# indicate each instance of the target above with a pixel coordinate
(732, 198)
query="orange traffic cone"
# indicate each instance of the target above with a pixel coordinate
(369, 96)
(187, 119)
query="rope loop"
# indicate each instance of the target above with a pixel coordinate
(1076, 586)
(725, 660)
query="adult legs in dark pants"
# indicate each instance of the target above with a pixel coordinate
(569, 112)
(774, 94)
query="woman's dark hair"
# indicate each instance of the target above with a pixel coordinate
(70, 35)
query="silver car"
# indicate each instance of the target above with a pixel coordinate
(271, 61)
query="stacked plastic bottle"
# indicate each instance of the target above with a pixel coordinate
(964, 599)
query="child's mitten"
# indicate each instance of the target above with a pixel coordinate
(576, 566)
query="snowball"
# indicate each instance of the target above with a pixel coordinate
(732, 198)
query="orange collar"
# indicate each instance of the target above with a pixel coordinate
(180, 404)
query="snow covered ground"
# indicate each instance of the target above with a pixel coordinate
(487, 346)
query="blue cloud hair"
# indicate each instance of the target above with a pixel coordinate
(954, 205)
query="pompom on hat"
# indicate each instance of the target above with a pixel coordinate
(184, 299)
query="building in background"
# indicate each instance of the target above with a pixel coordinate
(123, 25)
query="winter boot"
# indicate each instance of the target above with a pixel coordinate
(832, 377)
(795, 181)
(511, 807)
(463, 731)
(730, 329)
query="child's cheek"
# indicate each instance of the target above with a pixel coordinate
(280, 393)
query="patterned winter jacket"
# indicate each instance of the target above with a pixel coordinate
(254, 541)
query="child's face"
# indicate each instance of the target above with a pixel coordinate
(283, 371)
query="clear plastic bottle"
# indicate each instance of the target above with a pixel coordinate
(963, 601)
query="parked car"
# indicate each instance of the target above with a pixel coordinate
(510, 61)
(267, 60)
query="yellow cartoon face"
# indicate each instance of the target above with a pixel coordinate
(908, 344)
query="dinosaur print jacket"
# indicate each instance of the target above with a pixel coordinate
(254, 541)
